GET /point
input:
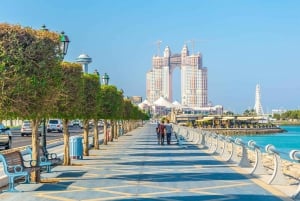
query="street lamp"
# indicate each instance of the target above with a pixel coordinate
(98, 74)
(105, 79)
(64, 44)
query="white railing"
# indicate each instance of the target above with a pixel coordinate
(235, 150)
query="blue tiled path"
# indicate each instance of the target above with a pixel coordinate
(136, 168)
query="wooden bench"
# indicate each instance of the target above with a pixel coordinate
(46, 160)
(14, 167)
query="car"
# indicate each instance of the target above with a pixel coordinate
(5, 137)
(76, 122)
(55, 125)
(26, 129)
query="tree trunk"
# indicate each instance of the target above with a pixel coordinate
(116, 129)
(122, 127)
(35, 174)
(96, 134)
(112, 123)
(86, 137)
(67, 159)
(105, 132)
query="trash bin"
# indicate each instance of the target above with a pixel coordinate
(76, 147)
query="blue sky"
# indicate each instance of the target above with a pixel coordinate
(243, 43)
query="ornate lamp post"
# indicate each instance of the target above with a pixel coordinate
(105, 79)
(64, 44)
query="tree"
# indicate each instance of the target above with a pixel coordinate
(249, 112)
(68, 106)
(90, 87)
(110, 106)
(30, 75)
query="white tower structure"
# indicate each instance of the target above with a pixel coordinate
(193, 78)
(258, 107)
(84, 60)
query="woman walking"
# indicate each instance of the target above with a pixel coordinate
(169, 130)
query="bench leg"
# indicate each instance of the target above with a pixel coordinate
(11, 185)
(48, 168)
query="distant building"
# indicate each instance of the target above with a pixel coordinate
(136, 99)
(258, 107)
(278, 111)
(193, 78)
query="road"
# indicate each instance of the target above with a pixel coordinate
(19, 141)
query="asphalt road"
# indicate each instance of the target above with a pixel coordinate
(19, 141)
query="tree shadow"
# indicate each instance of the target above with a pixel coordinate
(229, 197)
(180, 177)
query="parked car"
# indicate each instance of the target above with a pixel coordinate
(5, 137)
(76, 122)
(26, 129)
(55, 125)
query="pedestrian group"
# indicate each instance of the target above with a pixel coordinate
(164, 129)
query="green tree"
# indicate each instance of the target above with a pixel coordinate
(90, 90)
(68, 106)
(30, 75)
(277, 116)
(249, 112)
(110, 106)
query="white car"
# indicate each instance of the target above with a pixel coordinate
(26, 129)
(55, 125)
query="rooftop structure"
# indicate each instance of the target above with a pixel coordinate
(84, 60)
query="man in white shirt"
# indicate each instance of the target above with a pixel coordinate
(169, 130)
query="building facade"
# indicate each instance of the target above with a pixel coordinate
(193, 78)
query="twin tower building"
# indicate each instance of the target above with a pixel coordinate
(193, 78)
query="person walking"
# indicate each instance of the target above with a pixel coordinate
(158, 133)
(162, 130)
(169, 130)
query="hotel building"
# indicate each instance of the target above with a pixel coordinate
(193, 78)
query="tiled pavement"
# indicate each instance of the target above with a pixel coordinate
(135, 167)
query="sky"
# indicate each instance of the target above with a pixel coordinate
(243, 42)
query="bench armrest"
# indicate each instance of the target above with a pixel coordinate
(16, 168)
(43, 159)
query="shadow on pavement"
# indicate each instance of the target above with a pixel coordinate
(180, 177)
(172, 163)
(170, 154)
(229, 197)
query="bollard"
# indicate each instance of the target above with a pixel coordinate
(228, 141)
(210, 142)
(202, 139)
(244, 161)
(295, 155)
(277, 176)
(197, 136)
(222, 147)
(214, 148)
(207, 140)
(258, 167)
(188, 136)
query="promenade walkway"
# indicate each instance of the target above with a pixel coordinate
(135, 167)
